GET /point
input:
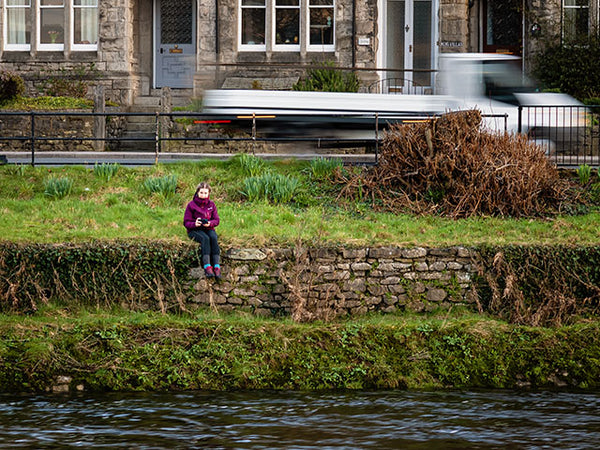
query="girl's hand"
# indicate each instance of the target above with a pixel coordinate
(198, 222)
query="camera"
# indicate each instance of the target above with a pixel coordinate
(204, 221)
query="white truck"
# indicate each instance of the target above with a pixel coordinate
(492, 83)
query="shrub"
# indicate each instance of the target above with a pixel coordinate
(57, 188)
(328, 80)
(164, 186)
(450, 166)
(11, 86)
(106, 170)
(270, 187)
(573, 68)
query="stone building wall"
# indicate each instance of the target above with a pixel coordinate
(343, 280)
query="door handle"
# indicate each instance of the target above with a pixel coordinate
(410, 49)
(161, 50)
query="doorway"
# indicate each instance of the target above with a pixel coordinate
(409, 45)
(175, 43)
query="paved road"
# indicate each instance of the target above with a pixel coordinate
(148, 158)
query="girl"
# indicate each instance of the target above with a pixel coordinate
(200, 219)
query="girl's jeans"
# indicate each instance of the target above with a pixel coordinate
(210, 247)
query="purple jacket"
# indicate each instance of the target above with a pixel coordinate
(202, 208)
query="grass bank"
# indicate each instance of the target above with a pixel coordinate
(115, 350)
(123, 207)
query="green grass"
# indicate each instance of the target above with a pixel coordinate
(46, 103)
(143, 351)
(121, 208)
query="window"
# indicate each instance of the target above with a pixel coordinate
(51, 22)
(17, 29)
(287, 24)
(51, 25)
(320, 28)
(576, 17)
(85, 24)
(253, 24)
(293, 25)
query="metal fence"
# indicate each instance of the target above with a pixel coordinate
(570, 134)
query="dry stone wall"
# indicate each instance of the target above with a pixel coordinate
(348, 281)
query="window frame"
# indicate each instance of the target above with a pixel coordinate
(251, 47)
(285, 47)
(35, 24)
(45, 47)
(320, 47)
(565, 8)
(15, 47)
(83, 47)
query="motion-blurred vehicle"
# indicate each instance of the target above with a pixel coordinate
(492, 83)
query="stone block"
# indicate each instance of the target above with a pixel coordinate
(323, 253)
(243, 292)
(414, 253)
(385, 252)
(245, 254)
(436, 295)
(397, 289)
(361, 266)
(391, 280)
(377, 289)
(421, 267)
(356, 285)
(438, 266)
(351, 253)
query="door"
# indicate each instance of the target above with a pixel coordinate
(175, 43)
(503, 26)
(409, 45)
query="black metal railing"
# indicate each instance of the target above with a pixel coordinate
(569, 134)
(37, 132)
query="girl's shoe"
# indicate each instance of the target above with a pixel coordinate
(208, 272)
(217, 271)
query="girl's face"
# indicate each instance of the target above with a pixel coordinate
(203, 193)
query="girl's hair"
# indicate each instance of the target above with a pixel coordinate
(203, 185)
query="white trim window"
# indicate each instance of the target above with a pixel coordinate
(321, 25)
(252, 25)
(17, 25)
(576, 19)
(84, 23)
(51, 25)
(286, 26)
(55, 22)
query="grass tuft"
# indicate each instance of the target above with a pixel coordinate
(57, 188)
(165, 185)
(106, 171)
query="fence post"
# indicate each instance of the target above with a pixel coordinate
(32, 141)
(166, 107)
(520, 120)
(376, 138)
(99, 121)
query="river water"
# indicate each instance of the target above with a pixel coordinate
(303, 420)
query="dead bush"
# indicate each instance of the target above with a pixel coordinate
(448, 165)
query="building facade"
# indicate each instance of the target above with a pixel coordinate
(135, 47)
